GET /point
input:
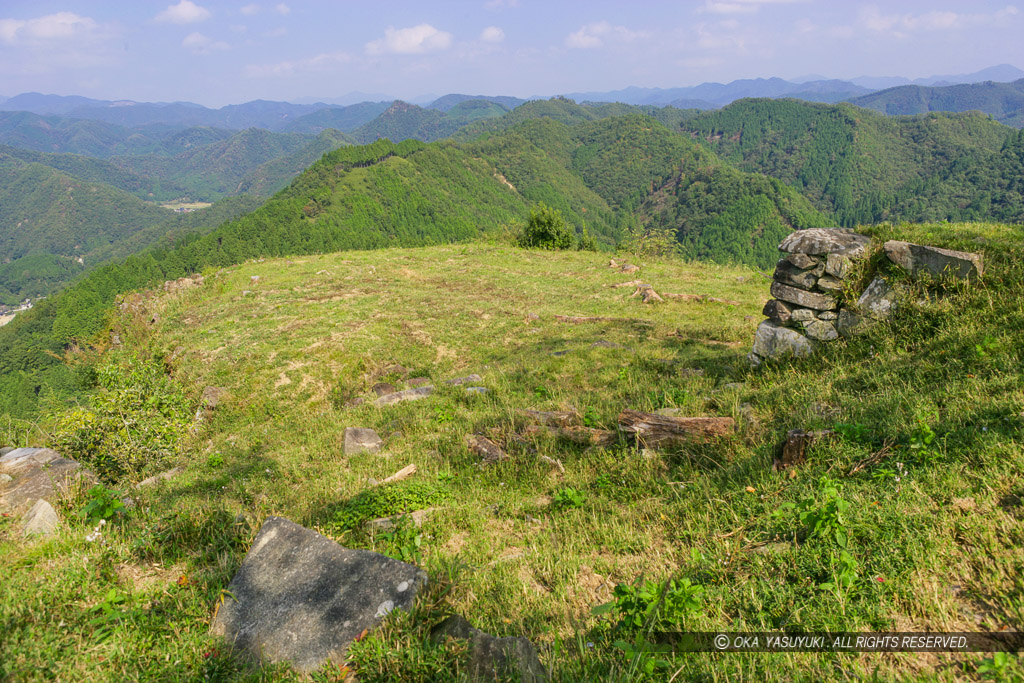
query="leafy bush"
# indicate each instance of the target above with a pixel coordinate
(138, 418)
(101, 504)
(546, 229)
(654, 606)
(569, 498)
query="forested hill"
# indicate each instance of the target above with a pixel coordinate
(600, 173)
(863, 167)
(1003, 101)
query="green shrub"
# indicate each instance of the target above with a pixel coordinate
(385, 501)
(138, 419)
(546, 229)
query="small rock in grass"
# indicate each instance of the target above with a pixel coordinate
(361, 440)
(476, 390)
(491, 658)
(418, 382)
(488, 451)
(383, 388)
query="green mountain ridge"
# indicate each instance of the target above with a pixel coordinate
(1003, 101)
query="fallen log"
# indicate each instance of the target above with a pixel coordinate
(660, 430)
(401, 474)
(584, 436)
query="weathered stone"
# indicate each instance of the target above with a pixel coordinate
(778, 311)
(492, 658)
(488, 451)
(878, 300)
(416, 518)
(41, 520)
(383, 388)
(802, 261)
(850, 323)
(821, 241)
(800, 297)
(917, 259)
(821, 330)
(361, 440)
(212, 396)
(838, 266)
(301, 598)
(476, 390)
(38, 473)
(802, 315)
(396, 369)
(418, 382)
(828, 315)
(5, 451)
(775, 341)
(469, 379)
(407, 395)
(788, 274)
(157, 478)
(793, 451)
(828, 283)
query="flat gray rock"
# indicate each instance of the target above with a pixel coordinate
(37, 473)
(406, 395)
(41, 520)
(492, 658)
(775, 341)
(838, 266)
(5, 451)
(821, 330)
(822, 241)
(788, 274)
(361, 440)
(301, 598)
(879, 299)
(918, 259)
(800, 297)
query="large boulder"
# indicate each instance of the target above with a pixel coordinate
(822, 241)
(775, 341)
(38, 473)
(492, 658)
(301, 598)
(917, 259)
(803, 278)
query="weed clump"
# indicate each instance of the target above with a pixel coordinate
(386, 501)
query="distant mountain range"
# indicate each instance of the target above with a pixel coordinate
(1004, 101)
(348, 112)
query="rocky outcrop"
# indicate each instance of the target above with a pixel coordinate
(37, 473)
(301, 598)
(818, 266)
(361, 440)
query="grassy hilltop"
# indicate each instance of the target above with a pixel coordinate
(910, 520)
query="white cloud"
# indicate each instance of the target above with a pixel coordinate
(327, 61)
(185, 12)
(250, 10)
(59, 26)
(600, 33)
(410, 41)
(901, 25)
(282, 8)
(740, 6)
(202, 45)
(501, 4)
(492, 34)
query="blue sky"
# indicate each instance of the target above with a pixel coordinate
(215, 52)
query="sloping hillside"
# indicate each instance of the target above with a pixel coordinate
(918, 489)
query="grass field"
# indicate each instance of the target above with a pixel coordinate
(927, 535)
